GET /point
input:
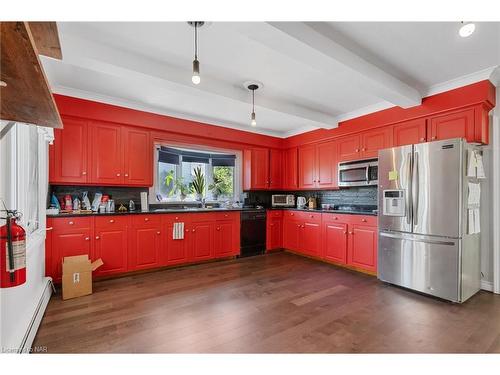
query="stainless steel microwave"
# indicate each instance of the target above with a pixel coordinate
(283, 200)
(358, 173)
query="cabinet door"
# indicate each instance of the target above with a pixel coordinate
(335, 242)
(291, 229)
(111, 246)
(274, 235)
(454, 125)
(260, 168)
(145, 248)
(70, 243)
(307, 167)
(201, 238)
(310, 240)
(275, 169)
(326, 165)
(137, 157)
(48, 248)
(348, 148)
(175, 251)
(374, 140)
(410, 132)
(290, 169)
(363, 247)
(106, 151)
(225, 241)
(71, 152)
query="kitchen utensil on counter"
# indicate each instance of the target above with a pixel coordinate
(325, 206)
(144, 201)
(312, 203)
(122, 208)
(131, 205)
(110, 206)
(301, 202)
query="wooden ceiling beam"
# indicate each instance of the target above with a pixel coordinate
(46, 39)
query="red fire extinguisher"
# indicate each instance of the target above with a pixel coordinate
(12, 252)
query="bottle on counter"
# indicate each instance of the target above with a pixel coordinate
(131, 205)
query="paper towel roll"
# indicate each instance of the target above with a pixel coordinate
(144, 201)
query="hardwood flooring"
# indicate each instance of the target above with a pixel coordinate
(277, 303)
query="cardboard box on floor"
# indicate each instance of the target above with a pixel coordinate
(77, 275)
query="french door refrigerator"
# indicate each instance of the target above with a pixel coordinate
(423, 242)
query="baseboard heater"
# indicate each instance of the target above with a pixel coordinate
(29, 336)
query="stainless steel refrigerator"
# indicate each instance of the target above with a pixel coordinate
(423, 241)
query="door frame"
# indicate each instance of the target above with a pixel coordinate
(495, 146)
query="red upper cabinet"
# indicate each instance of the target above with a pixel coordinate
(374, 140)
(307, 167)
(290, 168)
(348, 148)
(454, 125)
(275, 169)
(70, 153)
(317, 166)
(137, 157)
(106, 154)
(410, 132)
(260, 168)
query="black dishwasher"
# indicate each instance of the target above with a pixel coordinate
(253, 232)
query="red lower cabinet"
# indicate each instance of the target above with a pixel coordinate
(145, 242)
(201, 240)
(335, 242)
(227, 238)
(291, 229)
(274, 230)
(310, 238)
(362, 251)
(111, 244)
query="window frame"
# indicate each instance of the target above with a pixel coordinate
(237, 175)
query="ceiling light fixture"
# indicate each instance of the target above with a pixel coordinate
(196, 64)
(466, 29)
(253, 87)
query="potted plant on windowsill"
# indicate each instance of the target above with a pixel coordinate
(198, 183)
(221, 184)
(178, 185)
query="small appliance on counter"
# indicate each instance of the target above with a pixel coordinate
(283, 200)
(301, 202)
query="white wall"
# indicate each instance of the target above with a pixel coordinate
(18, 305)
(495, 192)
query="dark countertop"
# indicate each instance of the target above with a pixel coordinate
(155, 211)
(371, 213)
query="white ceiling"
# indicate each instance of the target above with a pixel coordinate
(314, 74)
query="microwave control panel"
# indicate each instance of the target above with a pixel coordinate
(394, 203)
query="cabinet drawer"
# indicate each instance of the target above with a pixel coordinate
(363, 220)
(110, 222)
(175, 218)
(274, 213)
(310, 217)
(335, 218)
(145, 221)
(226, 216)
(70, 223)
(295, 215)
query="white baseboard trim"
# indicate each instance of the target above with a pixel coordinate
(37, 317)
(487, 285)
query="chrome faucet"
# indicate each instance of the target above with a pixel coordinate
(203, 203)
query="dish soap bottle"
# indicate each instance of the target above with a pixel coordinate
(131, 205)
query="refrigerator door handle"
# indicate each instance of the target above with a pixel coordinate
(415, 188)
(408, 190)
(409, 238)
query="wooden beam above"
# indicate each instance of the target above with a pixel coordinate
(46, 39)
(25, 95)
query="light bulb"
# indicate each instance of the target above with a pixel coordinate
(195, 78)
(196, 72)
(253, 122)
(466, 30)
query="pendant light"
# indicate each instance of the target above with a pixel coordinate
(253, 87)
(466, 29)
(196, 64)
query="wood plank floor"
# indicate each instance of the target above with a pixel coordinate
(277, 303)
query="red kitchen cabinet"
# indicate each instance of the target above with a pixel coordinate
(227, 234)
(362, 250)
(310, 238)
(145, 243)
(334, 242)
(274, 230)
(453, 125)
(111, 244)
(175, 251)
(137, 157)
(106, 154)
(307, 167)
(275, 169)
(291, 229)
(70, 153)
(374, 140)
(348, 148)
(48, 247)
(290, 168)
(260, 169)
(410, 132)
(201, 239)
(317, 166)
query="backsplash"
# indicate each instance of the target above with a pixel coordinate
(354, 195)
(121, 195)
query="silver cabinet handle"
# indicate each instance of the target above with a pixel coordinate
(194, 230)
(415, 189)
(363, 220)
(96, 237)
(111, 221)
(126, 174)
(146, 219)
(49, 229)
(84, 173)
(86, 238)
(408, 189)
(158, 232)
(71, 223)
(118, 175)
